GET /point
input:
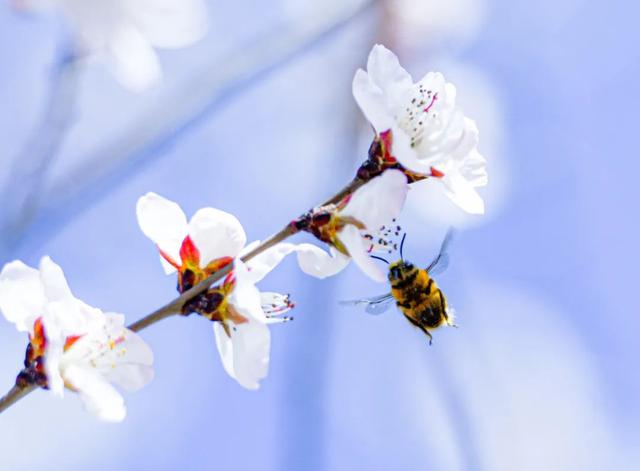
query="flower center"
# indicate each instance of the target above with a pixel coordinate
(189, 270)
(326, 222)
(420, 117)
(381, 158)
(383, 240)
(34, 371)
(214, 304)
(276, 304)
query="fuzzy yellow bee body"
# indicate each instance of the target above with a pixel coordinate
(418, 297)
(415, 292)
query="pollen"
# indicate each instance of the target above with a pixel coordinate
(420, 115)
(383, 239)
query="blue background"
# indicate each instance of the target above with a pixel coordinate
(258, 120)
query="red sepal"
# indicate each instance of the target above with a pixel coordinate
(386, 137)
(68, 343)
(436, 173)
(189, 253)
(38, 339)
(169, 260)
(217, 264)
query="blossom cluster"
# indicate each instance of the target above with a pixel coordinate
(122, 34)
(420, 134)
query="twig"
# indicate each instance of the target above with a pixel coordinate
(29, 168)
(14, 395)
(347, 190)
(175, 307)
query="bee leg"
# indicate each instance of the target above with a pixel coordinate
(428, 335)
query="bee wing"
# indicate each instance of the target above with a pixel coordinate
(379, 307)
(439, 265)
(441, 262)
(376, 305)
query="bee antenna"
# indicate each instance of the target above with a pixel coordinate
(380, 258)
(404, 236)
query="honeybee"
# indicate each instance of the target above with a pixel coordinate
(415, 292)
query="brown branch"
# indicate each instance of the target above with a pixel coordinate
(14, 395)
(175, 307)
(347, 190)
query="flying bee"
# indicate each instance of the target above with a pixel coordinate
(415, 292)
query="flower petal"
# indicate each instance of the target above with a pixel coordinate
(99, 397)
(132, 59)
(130, 376)
(136, 350)
(225, 348)
(245, 355)
(53, 280)
(216, 234)
(260, 265)
(316, 262)
(164, 222)
(245, 296)
(354, 242)
(379, 201)
(385, 71)
(68, 317)
(116, 352)
(372, 102)
(463, 193)
(407, 155)
(22, 295)
(53, 355)
(475, 169)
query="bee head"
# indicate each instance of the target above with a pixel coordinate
(398, 270)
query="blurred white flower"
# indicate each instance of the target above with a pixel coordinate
(124, 33)
(72, 344)
(352, 228)
(211, 240)
(420, 126)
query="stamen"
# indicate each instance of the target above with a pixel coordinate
(433, 100)
(382, 240)
(275, 304)
(420, 116)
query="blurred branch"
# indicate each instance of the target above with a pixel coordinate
(22, 193)
(181, 111)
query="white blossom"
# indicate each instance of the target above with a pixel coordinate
(354, 228)
(427, 132)
(211, 240)
(72, 344)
